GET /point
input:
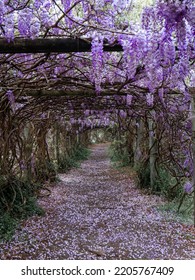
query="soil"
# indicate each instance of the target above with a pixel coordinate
(98, 212)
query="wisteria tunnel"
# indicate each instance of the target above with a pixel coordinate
(74, 73)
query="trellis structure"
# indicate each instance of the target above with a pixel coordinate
(69, 76)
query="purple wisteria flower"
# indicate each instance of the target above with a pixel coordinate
(150, 99)
(129, 99)
(11, 99)
(97, 61)
(188, 187)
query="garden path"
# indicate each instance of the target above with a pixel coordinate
(97, 212)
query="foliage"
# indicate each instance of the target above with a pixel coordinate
(100, 135)
(17, 201)
(167, 185)
(46, 171)
(8, 224)
(118, 153)
(143, 173)
(184, 215)
(18, 197)
(67, 162)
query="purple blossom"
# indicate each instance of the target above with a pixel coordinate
(161, 94)
(46, 19)
(24, 22)
(9, 26)
(97, 61)
(11, 99)
(167, 51)
(129, 99)
(147, 17)
(38, 4)
(188, 187)
(123, 114)
(67, 5)
(34, 29)
(150, 99)
(22, 165)
(2, 11)
(47, 5)
(87, 113)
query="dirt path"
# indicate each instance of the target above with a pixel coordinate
(96, 212)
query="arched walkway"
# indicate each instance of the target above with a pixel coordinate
(96, 212)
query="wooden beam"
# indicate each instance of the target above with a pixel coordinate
(52, 45)
(70, 93)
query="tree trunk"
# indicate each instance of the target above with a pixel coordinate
(138, 138)
(152, 151)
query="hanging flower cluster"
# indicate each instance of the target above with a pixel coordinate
(97, 61)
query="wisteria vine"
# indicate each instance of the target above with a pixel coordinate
(150, 81)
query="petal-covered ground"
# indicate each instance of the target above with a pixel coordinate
(96, 212)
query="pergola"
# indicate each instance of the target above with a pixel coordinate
(71, 91)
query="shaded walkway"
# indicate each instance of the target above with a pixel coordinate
(96, 212)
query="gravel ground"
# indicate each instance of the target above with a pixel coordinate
(96, 212)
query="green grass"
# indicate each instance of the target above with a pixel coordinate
(8, 225)
(119, 156)
(17, 202)
(66, 163)
(81, 154)
(185, 213)
(9, 222)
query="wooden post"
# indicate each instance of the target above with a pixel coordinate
(192, 91)
(57, 132)
(28, 149)
(78, 138)
(152, 149)
(137, 143)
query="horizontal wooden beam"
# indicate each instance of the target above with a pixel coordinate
(69, 93)
(51, 45)
(53, 93)
(89, 92)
